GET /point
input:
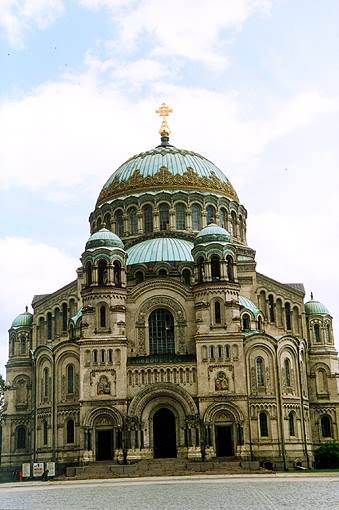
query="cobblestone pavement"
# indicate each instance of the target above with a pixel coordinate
(274, 492)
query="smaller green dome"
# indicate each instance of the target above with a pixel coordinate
(24, 319)
(104, 238)
(213, 233)
(314, 307)
(160, 249)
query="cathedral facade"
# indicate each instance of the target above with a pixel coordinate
(169, 343)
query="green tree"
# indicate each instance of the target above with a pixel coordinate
(327, 455)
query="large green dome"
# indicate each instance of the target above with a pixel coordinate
(166, 168)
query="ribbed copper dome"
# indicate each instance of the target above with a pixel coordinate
(166, 168)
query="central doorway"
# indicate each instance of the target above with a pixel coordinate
(104, 444)
(164, 436)
(224, 440)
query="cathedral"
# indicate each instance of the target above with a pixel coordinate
(169, 343)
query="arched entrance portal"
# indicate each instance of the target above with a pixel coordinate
(164, 435)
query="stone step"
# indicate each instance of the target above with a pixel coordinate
(161, 467)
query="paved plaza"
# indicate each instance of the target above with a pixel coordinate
(274, 492)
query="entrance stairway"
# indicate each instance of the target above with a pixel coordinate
(162, 467)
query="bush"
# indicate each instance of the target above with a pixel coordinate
(327, 455)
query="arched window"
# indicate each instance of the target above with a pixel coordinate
(196, 217)
(271, 307)
(279, 313)
(49, 326)
(148, 218)
(288, 316)
(210, 214)
(139, 277)
(23, 344)
(70, 378)
(241, 228)
(321, 380)
(201, 273)
(64, 316)
(217, 312)
(45, 433)
(102, 272)
(117, 273)
(233, 224)
(316, 329)
(161, 332)
(133, 220)
(45, 382)
(180, 216)
(70, 431)
(326, 429)
(21, 438)
(287, 366)
(103, 316)
(227, 352)
(88, 271)
(259, 323)
(107, 221)
(12, 345)
(212, 351)
(223, 218)
(162, 273)
(95, 356)
(102, 354)
(246, 322)
(164, 216)
(263, 425)
(230, 272)
(291, 422)
(186, 277)
(215, 267)
(119, 223)
(328, 334)
(259, 364)
(219, 351)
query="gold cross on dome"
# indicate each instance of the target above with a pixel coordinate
(164, 112)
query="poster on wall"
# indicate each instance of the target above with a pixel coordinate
(26, 470)
(38, 469)
(50, 466)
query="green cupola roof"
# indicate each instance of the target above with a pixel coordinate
(314, 307)
(160, 249)
(24, 319)
(104, 238)
(211, 234)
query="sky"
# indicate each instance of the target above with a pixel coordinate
(253, 85)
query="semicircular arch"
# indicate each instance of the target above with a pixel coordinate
(170, 390)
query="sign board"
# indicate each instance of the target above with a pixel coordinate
(26, 470)
(38, 469)
(50, 466)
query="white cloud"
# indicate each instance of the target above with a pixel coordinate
(189, 29)
(29, 267)
(19, 16)
(67, 136)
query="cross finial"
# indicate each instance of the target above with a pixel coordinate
(311, 295)
(164, 112)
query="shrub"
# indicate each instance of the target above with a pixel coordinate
(327, 455)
